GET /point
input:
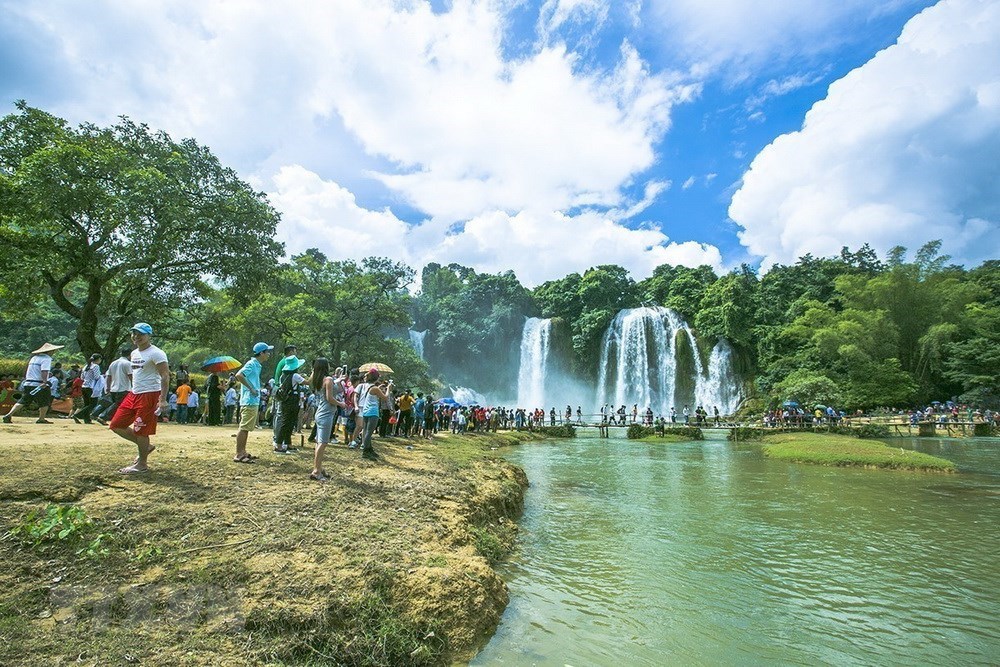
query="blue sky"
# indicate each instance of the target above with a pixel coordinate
(548, 137)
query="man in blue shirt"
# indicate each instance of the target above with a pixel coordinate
(249, 379)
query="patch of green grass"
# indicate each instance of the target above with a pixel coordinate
(62, 525)
(361, 627)
(667, 437)
(494, 541)
(838, 450)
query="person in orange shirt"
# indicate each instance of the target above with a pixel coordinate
(183, 392)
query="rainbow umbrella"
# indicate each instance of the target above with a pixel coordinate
(220, 365)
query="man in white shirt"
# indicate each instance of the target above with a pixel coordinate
(117, 381)
(136, 417)
(35, 390)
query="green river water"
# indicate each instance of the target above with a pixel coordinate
(704, 553)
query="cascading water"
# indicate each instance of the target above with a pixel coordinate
(722, 386)
(639, 365)
(638, 360)
(467, 396)
(535, 342)
(417, 341)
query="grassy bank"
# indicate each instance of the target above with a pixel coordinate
(204, 561)
(667, 437)
(840, 450)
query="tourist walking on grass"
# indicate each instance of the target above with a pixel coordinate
(93, 388)
(118, 381)
(369, 395)
(249, 379)
(135, 419)
(328, 407)
(35, 389)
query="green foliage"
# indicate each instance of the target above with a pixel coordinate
(495, 541)
(745, 433)
(474, 320)
(640, 432)
(873, 431)
(809, 388)
(121, 223)
(62, 525)
(15, 367)
(560, 431)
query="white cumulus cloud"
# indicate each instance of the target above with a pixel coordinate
(902, 150)
(538, 245)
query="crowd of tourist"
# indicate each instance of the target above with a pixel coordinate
(137, 390)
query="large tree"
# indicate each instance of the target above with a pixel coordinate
(121, 223)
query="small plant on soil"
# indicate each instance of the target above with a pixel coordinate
(62, 524)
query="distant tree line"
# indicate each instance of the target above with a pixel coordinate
(101, 227)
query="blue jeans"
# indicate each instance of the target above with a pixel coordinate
(182, 414)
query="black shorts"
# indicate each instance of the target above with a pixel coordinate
(35, 396)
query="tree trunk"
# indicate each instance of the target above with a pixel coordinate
(86, 330)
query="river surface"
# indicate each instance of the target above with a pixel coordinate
(706, 554)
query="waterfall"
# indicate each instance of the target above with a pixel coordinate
(639, 365)
(535, 337)
(467, 396)
(417, 341)
(638, 359)
(721, 386)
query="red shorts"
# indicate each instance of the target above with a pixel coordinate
(137, 411)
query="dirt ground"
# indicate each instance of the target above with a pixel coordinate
(202, 561)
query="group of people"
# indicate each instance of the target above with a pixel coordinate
(135, 394)
(621, 416)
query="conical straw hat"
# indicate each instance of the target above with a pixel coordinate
(48, 347)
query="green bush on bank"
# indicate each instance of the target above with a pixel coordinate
(873, 431)
(745, 433)
(638, 432)
(561, 431)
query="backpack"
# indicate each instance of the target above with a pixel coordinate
(284, 389)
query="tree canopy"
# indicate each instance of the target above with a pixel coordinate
(120, 223)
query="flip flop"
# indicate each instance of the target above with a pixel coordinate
(152, 448)
(132, 470)
(245, 459)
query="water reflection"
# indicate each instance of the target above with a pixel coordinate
(700, 553)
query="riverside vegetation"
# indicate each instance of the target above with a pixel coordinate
(837, 449)
(206, 562)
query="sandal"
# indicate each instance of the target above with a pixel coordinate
(319, 478)
(244, 459)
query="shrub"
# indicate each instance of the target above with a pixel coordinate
(743, 433)
(638, 431)
(873, 431)
(15, 367)
(561, 431)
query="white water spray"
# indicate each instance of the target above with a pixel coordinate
(535, 344)
(417, 341)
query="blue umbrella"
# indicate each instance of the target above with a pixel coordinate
(449, 402)
(791, 404)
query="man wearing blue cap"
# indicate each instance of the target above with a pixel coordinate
(137, 414)
(249, 379)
